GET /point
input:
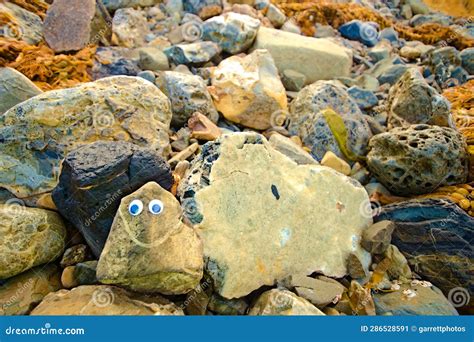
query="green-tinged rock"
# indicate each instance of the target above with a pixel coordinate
(149, 248)
(29, 237)
(320, 292)
(38, 133)
(377, 237)
(414, 300)
(398, 268)
(283, 303)
(21, 293)
(85, 273)
(228, 307)
(103, 300)
(15, 88)
(26, 26)
(263, 218)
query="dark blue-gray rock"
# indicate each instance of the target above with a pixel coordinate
(234, 32)
(392, 74)
(365, 99)
(412, 101)
(438, 18)
(194, 53)
(415, 300)
(15, 88)
(115, 61)
(441, 62)
(203, 8)
(436, 237)
(365, 32)
(96, 176)
(389, 34)
(188, 94)
(458, 76)
(307, 120)
(417, 159)
(467, 59)
(147, 75)
(85, 273)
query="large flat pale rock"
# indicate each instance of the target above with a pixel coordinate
(263, 218)
(316, 58)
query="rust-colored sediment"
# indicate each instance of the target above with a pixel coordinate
(458, 8)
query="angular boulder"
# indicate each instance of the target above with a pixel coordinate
(316, 58)
(15, 88)
(30, 237)
(38, 133)
(418, 159)
(96, 176)
(150, 251)
(263, 218)
(248, 90)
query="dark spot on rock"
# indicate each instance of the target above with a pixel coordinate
(275, 192)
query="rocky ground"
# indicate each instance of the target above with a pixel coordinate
(236, 157)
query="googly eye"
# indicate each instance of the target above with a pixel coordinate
(135, 207)
(155, 207)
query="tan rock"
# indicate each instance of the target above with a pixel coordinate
(67, 277)
(336, 163)
(150, 252)
(248, 90)
(283, 303)
(202, 128)
(46, 202)
(103, 300)
(21, 293)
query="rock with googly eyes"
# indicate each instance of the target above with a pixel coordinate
(149, 248)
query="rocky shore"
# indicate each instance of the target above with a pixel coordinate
(226, 157)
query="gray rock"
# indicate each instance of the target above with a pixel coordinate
(152, 58)
(188, 94)
(113, 5)
(291, 150)
(320, 292)
(276, 16)
(365, 99)
(194, 53)
(115, 61)
(129, 27)
(96, 176)
(27, 25)
(311, 121)
(203, 8)
(15, 88)
(418, 159)
(283, 303)
(467, 59)
(147, 75)
(293, 80)
(228, 307)
(377, 237)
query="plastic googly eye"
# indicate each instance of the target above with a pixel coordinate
(156, 207)
(135, 207)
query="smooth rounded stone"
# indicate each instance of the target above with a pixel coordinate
(336, 163)
(71, 26)
(377, 237)
(67, 278)
(15, 88)
(113, 5)
(292, 150)
(101, 300)
(21, 293)
(74, 255)
(194, 53)
(412, 101)
(150, 252)
(96, 176)
(203, 8)
(297, 52)
(188, 94)
(38, 133)
(147, 75)
(283, 303)
(152, 58)
(247, 90)
(414, 300)
(365, 99)
(263, 218)
(115, 61)
(293, 80)
(27, 25)
(417, 159)
(365, 32)
(434, 235)
(467, 60)
(320, 292)
(30, 237)
(233, 32)
(129, 27)
(342, 130)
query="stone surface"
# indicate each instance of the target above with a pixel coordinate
(467, 60)
(20, 294)
(103, 300)
(115, 61)
(188, 94)
(336, 163)
(247, 90)
(397, 265)
(74, 255)
(85, 273)
(364, 32)
(435, 237)
(233, 32)
(129, 27)
(15, 88)
(152, 58)
(365, 99)
(412, 101)
(71, 26)
(202, 128)
(203, 8)
(377, 237)
(257, 228)
(26, 26)
(292, 150)
(30, 237)
(151, 252)
(95, 177)
(195, 53)
(427, 301)
(228, 307)
(320, 292)
(342, 130)
(38, 133)
(113, 5)
(293, 80)
(283, 303)
(297, 52)
(275, 15)
(418, 159)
